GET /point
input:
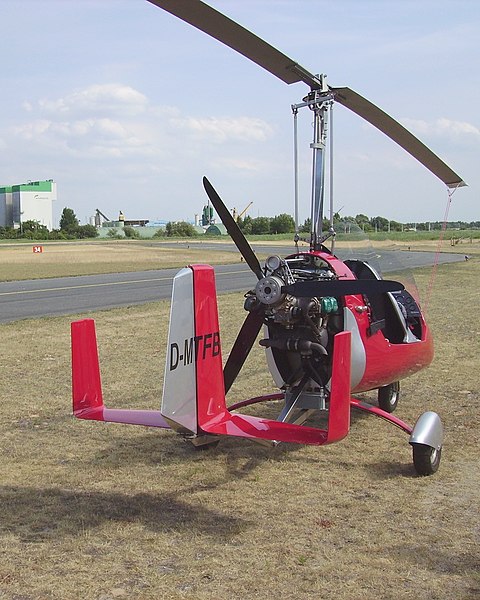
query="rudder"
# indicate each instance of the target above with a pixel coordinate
(193, 383)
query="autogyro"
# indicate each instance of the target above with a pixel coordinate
(331, 328)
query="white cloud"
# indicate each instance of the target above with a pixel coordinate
(111, 98)
(117, 123)
(109, 120)
(238, 164)
(222, 129)
(29, 131)
(87, 137)
(115, 120)
(442, 127)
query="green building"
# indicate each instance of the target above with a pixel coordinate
(32, 201)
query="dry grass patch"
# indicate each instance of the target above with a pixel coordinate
(471, 247)
(104, 511)
(61, 260)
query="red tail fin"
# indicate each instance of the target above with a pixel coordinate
(87, 386)
(193, 383)
(86, 381)
(194, 395)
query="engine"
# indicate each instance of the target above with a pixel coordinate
(299, 330)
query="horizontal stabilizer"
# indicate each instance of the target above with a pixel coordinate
(87, 385)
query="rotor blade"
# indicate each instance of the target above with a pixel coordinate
(233, 229)
(214, 23)
(242, 346)
(391, 128)
(341, 287)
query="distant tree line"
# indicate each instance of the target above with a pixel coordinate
(267, 225)
(70, 228)
(284, 223)
(374, 224)
(29, 230)
(177, 229)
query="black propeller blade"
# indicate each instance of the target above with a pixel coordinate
(233, 229)
(253, 323)
(242, 346)
(211, 21)
(341, 287)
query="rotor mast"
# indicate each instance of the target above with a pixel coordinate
(319, 101)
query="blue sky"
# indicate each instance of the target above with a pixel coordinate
(127, 107)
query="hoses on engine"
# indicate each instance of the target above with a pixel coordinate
(294, 345)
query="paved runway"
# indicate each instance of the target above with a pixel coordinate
(75, 295)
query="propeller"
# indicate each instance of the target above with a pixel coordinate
(254, 320)
(253, 323)
(341, 287)
(243, 344)
(212, 22)
(233, 229)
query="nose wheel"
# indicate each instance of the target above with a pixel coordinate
(427, 441)
(426, 459)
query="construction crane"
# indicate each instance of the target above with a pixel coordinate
(98, 214)
(237, 216)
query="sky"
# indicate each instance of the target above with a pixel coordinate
(127, 107)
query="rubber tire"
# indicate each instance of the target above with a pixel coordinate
(426, 459)
(388, 397)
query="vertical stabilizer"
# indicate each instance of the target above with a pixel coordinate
(193, 383)
(87, 386)
(86, 381)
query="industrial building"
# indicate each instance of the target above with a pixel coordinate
(32, 201)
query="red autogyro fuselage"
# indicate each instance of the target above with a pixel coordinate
(390, 338)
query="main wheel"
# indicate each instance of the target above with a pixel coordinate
(209, 446)
(204, 442)
(426, 459)
(388, 396)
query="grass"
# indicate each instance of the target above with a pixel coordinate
(18, 261)
(98, 511)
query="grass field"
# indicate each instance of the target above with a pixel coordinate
(18, 261)
(98, 511)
